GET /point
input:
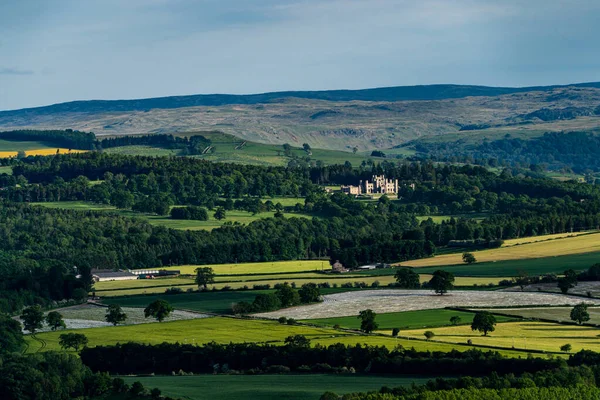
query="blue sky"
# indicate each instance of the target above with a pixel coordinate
(61, 50)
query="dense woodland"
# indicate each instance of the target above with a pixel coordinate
(577, 151)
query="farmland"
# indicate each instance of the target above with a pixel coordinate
(559, 314)
(533, 266)
(266, 387)
(384, 301)
(233, 216)
(550, 248)
(522, 335)
(403, 320)
(204, 330)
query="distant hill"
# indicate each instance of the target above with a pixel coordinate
(337, 119)
(397, 93)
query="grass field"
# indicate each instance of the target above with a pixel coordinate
(438, 219)
(258, 268)
(267, 387)
(521, 335)
(549, 248)
(403, 320)
(534, 266)
(218, 329)
(215, 302)
(141, 151)
(15, 146)
(559, 314)
(233, 216)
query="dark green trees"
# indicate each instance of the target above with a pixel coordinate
(580, 314)
(483, 322)
(11, 335)
(407, 278)
(309, 293)
(73, 341)
(367, 321)
(442, 281)
(115, 315)
(33, 318)
(204, 276)
(468, 258)
(158, 309)
(54, 319)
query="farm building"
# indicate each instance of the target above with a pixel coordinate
(103, 276)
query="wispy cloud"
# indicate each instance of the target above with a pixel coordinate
(15, 71)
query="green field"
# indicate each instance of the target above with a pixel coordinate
(558, 314)
(5, 170)
(404, 320)
(141, 151)
(522, 335)
(9, 145)
(214, 302)
(267, 387)
(535, 266)
(233, 216)
(196, 331)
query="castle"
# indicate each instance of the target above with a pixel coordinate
(378, 185)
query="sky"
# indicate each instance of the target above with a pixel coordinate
(53, 51)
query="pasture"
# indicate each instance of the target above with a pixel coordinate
(233, 216)
(559, 314)
(267, 387)
(387, 300)
(5, 170)
(548, 248)
(194, 331)
(274, 267)
(211, 302)
(521, 335)
(403, 320)
(533, 266)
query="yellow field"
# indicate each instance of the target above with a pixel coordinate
(558, 247)
(40, 152)
(145, 286)
(541, 238)
(521, 335)
(258, 268)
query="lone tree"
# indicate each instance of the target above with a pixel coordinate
(367, 321)
(288, 296)
(569, 281)
(580, 314)
(297, 341)
(204, 276)
(455, 320)
(469, 258)
(407, 278)
(566, 348)
(33, 318)
(442, 281)
(428, 335)
(159, 309)
(220, 213)
(54, 319)
(115, 315)
(484, 322)
(73, 341)
(309, 293)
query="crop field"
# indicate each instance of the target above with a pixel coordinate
(558, 314)
(267, 387)
(386, 300)
(213, 302)
(5, 170)
(148, 286)
(233, 216)
(403, 320)
(274, 267)
(533, 266)
(521, 335)
(558, 247)
(197, 331)
(542, 238)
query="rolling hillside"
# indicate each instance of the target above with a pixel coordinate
(366, 119)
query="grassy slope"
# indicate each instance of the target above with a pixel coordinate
(404, 320)
(549, 248)
(9, 145)
(524, 335)
(558, 314)
(242, 217)
(267, 387)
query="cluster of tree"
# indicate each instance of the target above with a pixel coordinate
(556, 150)
(192, 145)
(441, 281)
(285, 296)
(68, 138)
(134, 358)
